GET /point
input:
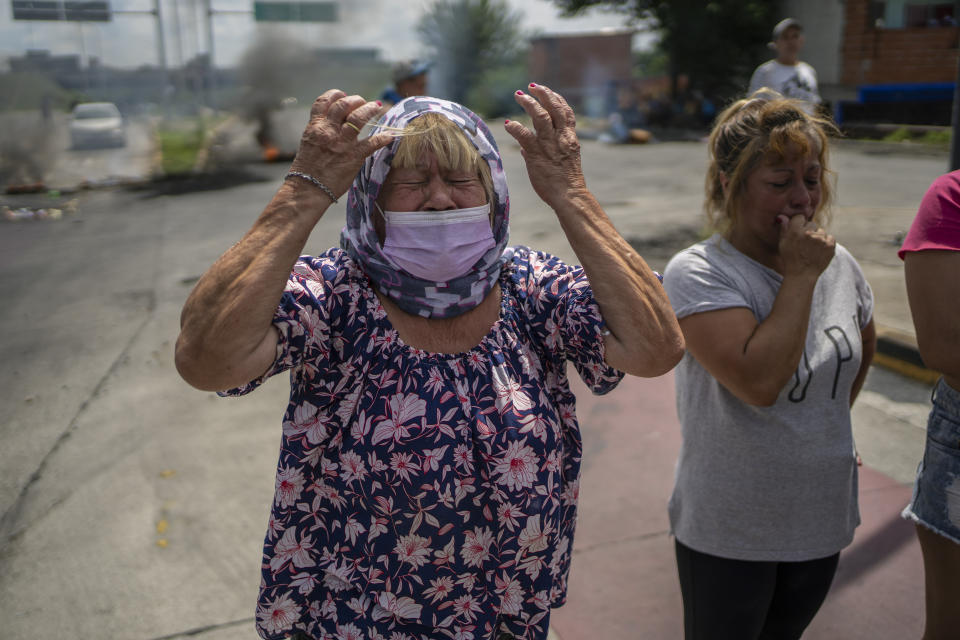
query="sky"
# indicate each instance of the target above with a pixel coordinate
(130, 39)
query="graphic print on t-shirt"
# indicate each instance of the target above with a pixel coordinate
(797, 87)
(804, 374)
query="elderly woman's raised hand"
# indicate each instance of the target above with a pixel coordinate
(330, 149)
(551, 150)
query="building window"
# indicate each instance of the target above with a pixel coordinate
(899, 14)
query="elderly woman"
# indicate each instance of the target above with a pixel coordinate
(428, 474)
(777, 319)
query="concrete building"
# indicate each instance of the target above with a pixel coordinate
(857, 42)
(586, 68)
(896, 42)
(882, 61)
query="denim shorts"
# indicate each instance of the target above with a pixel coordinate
(936, 493)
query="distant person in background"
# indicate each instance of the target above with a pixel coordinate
(931, 256)
(625, 120)
(409, 79)
(787, 74)
(46, 107)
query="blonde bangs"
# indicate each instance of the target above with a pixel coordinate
(434, 133)
(453, 150)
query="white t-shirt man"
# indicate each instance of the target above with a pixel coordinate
(793, 81)
(786, 74)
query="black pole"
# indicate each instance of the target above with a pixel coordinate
(955, 137)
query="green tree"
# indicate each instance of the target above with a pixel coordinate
(647, 64)
(469, 38)
(715, 43)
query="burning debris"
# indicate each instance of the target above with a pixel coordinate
(270, 72)
(19, 214)
(26, 187)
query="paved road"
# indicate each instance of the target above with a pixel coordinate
(134, 507)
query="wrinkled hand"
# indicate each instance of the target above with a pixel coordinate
(551, 150)
(329, 147)
(806, 248)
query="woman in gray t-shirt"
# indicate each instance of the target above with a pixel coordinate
(778, 324)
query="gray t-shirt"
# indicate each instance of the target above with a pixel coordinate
(768, 483)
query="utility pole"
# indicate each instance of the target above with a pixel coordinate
(211, 71)
(178, 33)
(179, 67)
(161, 50)
(161, 47)
(955, 136)
(211, 66)
(84, 58)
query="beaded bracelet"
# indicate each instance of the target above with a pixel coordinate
(313, 180)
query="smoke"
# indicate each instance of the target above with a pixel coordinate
(271, 69)
(302, 60)
(27, 146)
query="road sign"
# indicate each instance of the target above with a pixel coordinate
(295, 11)
(66, 10)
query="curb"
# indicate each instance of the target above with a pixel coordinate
(897, 351)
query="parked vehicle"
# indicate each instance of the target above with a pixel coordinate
(96, 124)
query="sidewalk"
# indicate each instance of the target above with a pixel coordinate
(623, 582)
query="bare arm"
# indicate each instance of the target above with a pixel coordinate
(644, 339)
(933, 289)
(226, 333)
(755, 360)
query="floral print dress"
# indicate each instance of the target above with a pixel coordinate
(423, 495)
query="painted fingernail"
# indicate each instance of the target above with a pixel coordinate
(533, 84)
(519, 93)
(379, 104)
(506, 122)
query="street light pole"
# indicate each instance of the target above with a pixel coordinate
(161, 47)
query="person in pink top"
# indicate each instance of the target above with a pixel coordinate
(931, 256)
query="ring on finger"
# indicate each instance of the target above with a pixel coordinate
(353, 126)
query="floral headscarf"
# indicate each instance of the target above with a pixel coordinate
(359, 238)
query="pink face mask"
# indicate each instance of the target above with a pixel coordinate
(437, 246)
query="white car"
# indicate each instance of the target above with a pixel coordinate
(95, 124)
